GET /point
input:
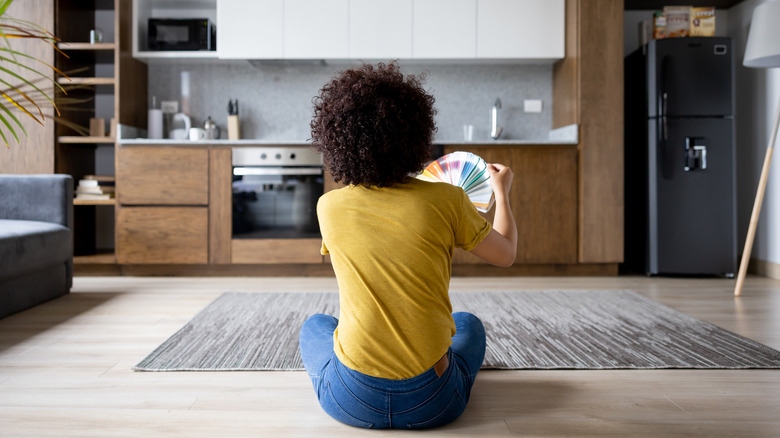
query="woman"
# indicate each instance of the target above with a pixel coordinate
(397, 357)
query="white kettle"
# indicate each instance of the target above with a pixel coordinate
(180, 127)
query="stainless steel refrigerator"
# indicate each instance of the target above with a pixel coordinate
(680, 205)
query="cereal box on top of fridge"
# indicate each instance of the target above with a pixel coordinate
(702, 21)
(659, 25)
(677, 21)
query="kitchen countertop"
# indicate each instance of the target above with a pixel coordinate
(235, 143)
(567, 135)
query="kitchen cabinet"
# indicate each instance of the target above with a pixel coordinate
(584, 93)
(276, 251)
(543, 199)
(588, 91)
(163, 205)
(380, 29)
(461, 30)
(250, 29)
(158, 175)
(444, 29)
(523, 29)
(174, 235)
(305, 34)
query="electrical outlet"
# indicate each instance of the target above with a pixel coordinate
(169, 107)
(532, 105)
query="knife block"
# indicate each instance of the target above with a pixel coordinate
(234, 128)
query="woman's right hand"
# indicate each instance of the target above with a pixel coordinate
(501, 178)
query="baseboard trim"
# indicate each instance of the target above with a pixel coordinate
(764, 268)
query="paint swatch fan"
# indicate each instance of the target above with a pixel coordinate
(466, 170)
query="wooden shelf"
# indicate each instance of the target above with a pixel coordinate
(95, 259)
(176, 55)
(111, 201)
(86, 81)
(78, 139)
(86, 46)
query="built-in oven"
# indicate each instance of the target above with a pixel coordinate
(275, 192)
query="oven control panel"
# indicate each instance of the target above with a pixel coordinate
(276, 156)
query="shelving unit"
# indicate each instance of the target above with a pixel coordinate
(94, 201)
(86, 81)
(94, 90)
(86, 46)
(65, 139)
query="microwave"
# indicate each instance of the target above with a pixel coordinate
(181, 34)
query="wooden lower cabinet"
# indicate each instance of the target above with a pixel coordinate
(175, 235)
(258, 251)
(543, 198)
(163, 211)
(192, 226)
(160, 175)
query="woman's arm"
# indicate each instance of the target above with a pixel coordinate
(500, 246)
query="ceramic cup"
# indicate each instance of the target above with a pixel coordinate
(197, 134)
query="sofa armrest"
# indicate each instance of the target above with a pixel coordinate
(46, 198)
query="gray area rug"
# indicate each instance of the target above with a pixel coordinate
(525, 330)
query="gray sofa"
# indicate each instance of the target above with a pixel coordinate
(36, 240)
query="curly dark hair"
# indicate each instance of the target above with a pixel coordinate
(373, 126)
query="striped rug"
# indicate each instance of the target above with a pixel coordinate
(525, 330)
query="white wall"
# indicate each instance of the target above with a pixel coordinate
(758, 93)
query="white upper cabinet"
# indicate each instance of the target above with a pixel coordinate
(376, 30)
(445, 29)
(250, 29)
(316, 29)
(380, 29)
(522, 29)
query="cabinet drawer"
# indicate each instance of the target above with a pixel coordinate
(305, 251)
(162, 235)
(160, 176)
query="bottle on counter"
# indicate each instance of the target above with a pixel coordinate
(154, 123)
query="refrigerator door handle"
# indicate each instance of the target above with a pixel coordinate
(663, 96)
(695, 155)
(664, 128)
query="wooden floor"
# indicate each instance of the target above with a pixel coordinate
(65, 371)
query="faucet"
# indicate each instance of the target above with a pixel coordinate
(495, 130)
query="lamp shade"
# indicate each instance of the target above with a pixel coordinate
(763, 45)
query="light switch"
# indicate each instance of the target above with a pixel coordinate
(169, 106)
(532, 105)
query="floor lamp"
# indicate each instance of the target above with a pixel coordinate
(762, 51)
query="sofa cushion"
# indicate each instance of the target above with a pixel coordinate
(47, 198)
(30, 246)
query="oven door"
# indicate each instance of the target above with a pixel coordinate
(276, 202)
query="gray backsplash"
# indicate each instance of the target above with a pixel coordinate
(275, 98)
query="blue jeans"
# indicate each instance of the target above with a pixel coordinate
(420, 402)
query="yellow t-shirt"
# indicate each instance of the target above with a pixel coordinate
(391, 249)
